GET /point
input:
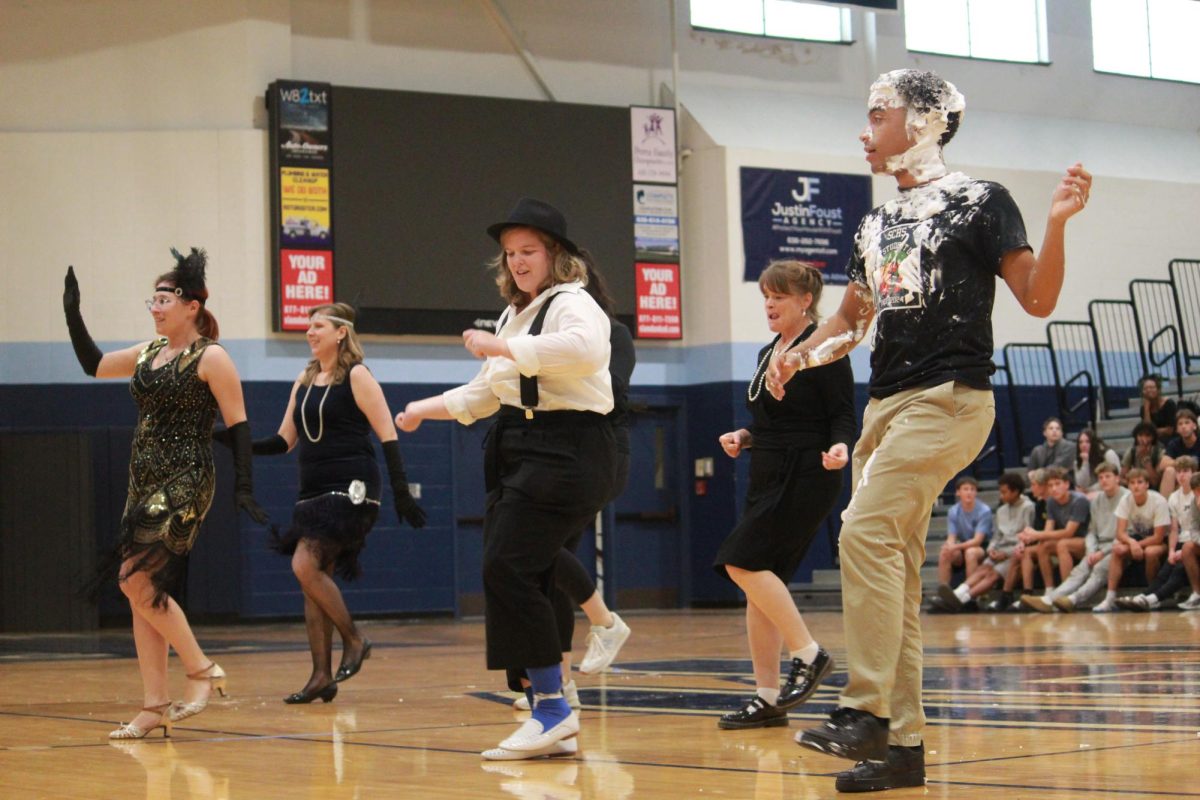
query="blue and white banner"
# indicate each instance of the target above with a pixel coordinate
(655, 222)
(808, 216)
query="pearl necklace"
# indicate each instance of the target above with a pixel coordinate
(320, 412)
(760, 374)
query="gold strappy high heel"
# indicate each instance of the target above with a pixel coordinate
(131, 731)
(216, 678)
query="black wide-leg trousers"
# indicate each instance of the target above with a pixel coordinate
(546, 478)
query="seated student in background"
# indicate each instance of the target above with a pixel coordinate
(1142, 522)
(1055, 451)
(1090, 450)
(1021, 554)
(1158, 410)
(1180, 569)
(1067, 514)
(1147, 455)
(969, 528)
(1012, 516)
(1090, 575)
(1183, 443)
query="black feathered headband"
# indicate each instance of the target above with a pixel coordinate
(188, 275)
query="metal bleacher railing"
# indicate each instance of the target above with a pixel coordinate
(1185, 278)
(1025, 364)
(1157, 315)
(1119, 355)
(1076, 367)
(1096, 366)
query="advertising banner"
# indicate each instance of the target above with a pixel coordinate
(301, 199)
(305, 280)
(304, 207)
(659, 315)
(808, 216)
(656, 222)
(652, 132)
(303, 119)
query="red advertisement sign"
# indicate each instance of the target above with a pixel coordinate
(306, 280)
(658, 312)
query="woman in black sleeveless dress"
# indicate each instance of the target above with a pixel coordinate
(798, 447)
(179, 382)
(334, 406)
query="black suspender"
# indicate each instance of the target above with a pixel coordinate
(529, 383)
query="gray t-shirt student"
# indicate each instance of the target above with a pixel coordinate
(1076, 509)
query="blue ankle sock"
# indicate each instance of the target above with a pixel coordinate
(529, 695)
(548, 681)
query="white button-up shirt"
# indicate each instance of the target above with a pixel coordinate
(569, 357)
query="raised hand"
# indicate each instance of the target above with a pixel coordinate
(70, 291)
(1071, 194)
(86, 352)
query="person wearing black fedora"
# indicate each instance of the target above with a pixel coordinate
(539, 215)
(551, 456)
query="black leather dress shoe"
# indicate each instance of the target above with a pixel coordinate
(758, 713)
(948, 598)
(803, 679)
(904, 766)
(324, 693)
(348, 670)
(849, 733)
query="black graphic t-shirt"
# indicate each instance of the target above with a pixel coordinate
(930, 258)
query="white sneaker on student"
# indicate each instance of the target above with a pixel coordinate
(1191, 604)
(603, 645)
(1106, 607)
(569, 690)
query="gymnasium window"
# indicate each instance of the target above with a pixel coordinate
(779, 19)
(1146, 38)
(995, 30)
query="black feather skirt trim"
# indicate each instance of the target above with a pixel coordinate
(335, 529)
(167, 569)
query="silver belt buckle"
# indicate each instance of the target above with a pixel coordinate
(357, 492)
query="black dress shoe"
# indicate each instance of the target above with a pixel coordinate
(325, 693)
(948, 598)
(904, 766)
(1001, 603)
(849, 733)
(347, 670)
(758, 713)
(804, 679)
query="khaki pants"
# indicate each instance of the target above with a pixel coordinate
(912, 444)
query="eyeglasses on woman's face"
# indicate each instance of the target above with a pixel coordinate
(160, 302)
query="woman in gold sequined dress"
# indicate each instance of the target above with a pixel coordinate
(179, 381)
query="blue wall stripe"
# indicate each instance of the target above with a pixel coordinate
(282, 359)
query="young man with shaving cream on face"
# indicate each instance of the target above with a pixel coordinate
(924, 268)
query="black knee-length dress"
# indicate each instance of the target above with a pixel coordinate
(335, 450)
(790, 492)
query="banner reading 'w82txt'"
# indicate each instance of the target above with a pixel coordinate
(301, 199)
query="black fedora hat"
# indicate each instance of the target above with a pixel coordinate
(531, 213)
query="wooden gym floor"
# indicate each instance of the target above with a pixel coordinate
(1078, 706)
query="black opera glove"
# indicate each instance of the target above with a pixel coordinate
(243, 480)
(274, 445)
(85, 349)
(406, 507)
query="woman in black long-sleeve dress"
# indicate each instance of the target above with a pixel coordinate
(798, 447)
